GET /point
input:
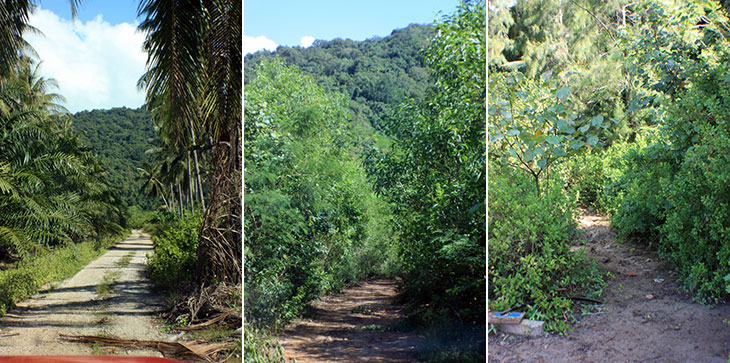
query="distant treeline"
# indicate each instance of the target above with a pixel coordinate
(374, 74)
(120, 136)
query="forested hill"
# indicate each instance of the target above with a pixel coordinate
(120, 137)
(375, 74)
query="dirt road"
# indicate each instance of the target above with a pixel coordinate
(352, 327)
(646, 316)
(110, 296)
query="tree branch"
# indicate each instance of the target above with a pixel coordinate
(595, 17)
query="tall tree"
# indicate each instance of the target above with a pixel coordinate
(435, 172)
(52, 189)
(194, 78)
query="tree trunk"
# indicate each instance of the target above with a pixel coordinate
(172, 198)
(190, 185)
(167, 205)
(220, 244)
(179, 195)
(195, 159)
(197, 177)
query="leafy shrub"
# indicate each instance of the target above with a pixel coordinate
(529, 253)
(138, 218)
(676, 190)
(641, 204)
(313, 224)
(433, 174)
(260, 347)
(695, 234)
(595, 176)
(175, 256)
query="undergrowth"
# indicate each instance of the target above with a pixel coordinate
(261, 347)
(175, 253)
(172, 269)
(530, 264)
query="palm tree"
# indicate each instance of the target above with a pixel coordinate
(193, 80)
(52, 189)
(14, 16)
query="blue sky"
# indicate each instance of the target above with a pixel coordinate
(97, 58)
(113, 11)
(270, 23)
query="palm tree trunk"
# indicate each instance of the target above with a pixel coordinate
(172, 198)
(197, 177)
(179, 195)
(220, 249)
(167, 205)
(195, 159)
(190, 185)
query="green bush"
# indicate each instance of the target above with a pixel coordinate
(529, 253)
(591, 176)
(675, 191)
(138, 218)
(641, 203)
(313, 223)
(175, 255)
(260, 347)
(696, 233)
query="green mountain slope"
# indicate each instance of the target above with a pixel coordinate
(375, 74)
(120, 137)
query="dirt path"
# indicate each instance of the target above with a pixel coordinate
(110, 296)
(348, 327)
(646, 316)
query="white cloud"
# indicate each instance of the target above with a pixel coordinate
(307, 41)
(96, 64)
(251, 44)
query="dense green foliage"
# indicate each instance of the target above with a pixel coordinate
(529, 250)
(675, 189)
(121, 137)
(535, 126)
(53, 190)
(596, 175)
(375, 74)
(658, 71)
(434, 173)
(176, 244)
(576, 43)
(312, 222)
(260, 347)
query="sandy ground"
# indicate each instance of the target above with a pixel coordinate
(75, 307)
(646, 316)
(347, 327)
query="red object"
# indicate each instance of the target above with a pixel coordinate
(81, 359)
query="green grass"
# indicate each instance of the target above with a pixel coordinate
(29, 275)
(105, 288)
(261, 346)
(103, 318)
(124, 261)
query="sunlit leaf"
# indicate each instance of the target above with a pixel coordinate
(563, 92)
